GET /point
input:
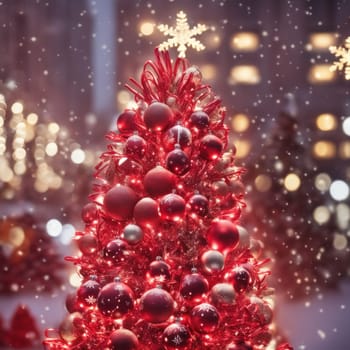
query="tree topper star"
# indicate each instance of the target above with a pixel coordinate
(182, 35)
(343, 54)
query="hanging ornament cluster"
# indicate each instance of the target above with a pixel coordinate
(164, 261)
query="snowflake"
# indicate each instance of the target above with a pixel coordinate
(177, 340)
(343, 54)
(182, 35)
(90, 300)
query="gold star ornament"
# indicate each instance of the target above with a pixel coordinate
(343, 55)
(182, 36)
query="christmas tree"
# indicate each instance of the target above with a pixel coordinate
(164, 261)
(306, 258)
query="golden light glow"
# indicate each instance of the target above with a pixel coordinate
(19, 154)
(263, 183)
(243, 148)
(78, 156)
(344, 149)
(324, 149)
(208, 71)
(245, 42)
(20, 168)
(123, 98)
(17, 108)
(16, 236)
(292, 182)
(321, 41)
(32, 118)
(212, 40)
(51, 149)
(321, 214)
(75, 280)
(321, 73)
(245, 74)
(53, 128)
(240, 122)
(326, 122)
(323, 182)
(147, 28)
(340, 242)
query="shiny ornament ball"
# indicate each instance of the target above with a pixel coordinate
(88, 292)
(132, 234)
(244, 238)
(205, 318)
(177, 135)
(159, 181)
(135, 146)
(72, 304)
(210, 147)
(68, 328)
(260, 311)
(126, 122)
(178, 162)
(176, 336)
(222, 294)
(172, 207)
(157, 116)
(156, 305)
(87, 244)
(213, 261)
(123, 339)
(146, 212)
(115, 299)
(200, 120)
(89, 213)
(198, 205)
(159, 270)
(223, 235)
(194, 286)
(115, 251)
(119, 202)
(240, 278)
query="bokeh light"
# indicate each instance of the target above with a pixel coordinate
(54, 227)
(339, 190)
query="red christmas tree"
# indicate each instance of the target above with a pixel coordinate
(164, 262)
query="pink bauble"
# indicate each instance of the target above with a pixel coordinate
(158, 116)
(135, 146)
(123, 339)
(176, 336)
(194, 286)
(115, 299)
(126, 122)
(198, 205)
(87, 244)
(146, 212)
(210, 147)
(119, 202)
(172, 207)
(177, 135)
(156, 305)
(178, 162)
(223, 235)
(205, 318)
(199, 119)
(159, 181)
(88, 292)
(89, 213)
(115, 251)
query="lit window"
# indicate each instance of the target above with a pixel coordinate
(243, 148)
(245, 42)
(324, 149)
(320, 74)
(321, 41)
(326, 122)
(245, 74)
(240, 122)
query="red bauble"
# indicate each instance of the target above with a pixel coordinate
(198, 205)
(89, 213)
(199, 119)
(176, 336)
(135, 146)
(177, 135)
(88, 292)
(119, 202)
(115, 299)
(223, 235)
(178, 162)
(157, 116)
(159, 270)
(126, 122)
(123, 339)
(87, 244)
(146, 212)
(194, 286)
(205, 318)
(172, 207)
(115, 251)
(240, 278)
(159, 181)
(156, 305)
(72, 304)
(210, 147)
